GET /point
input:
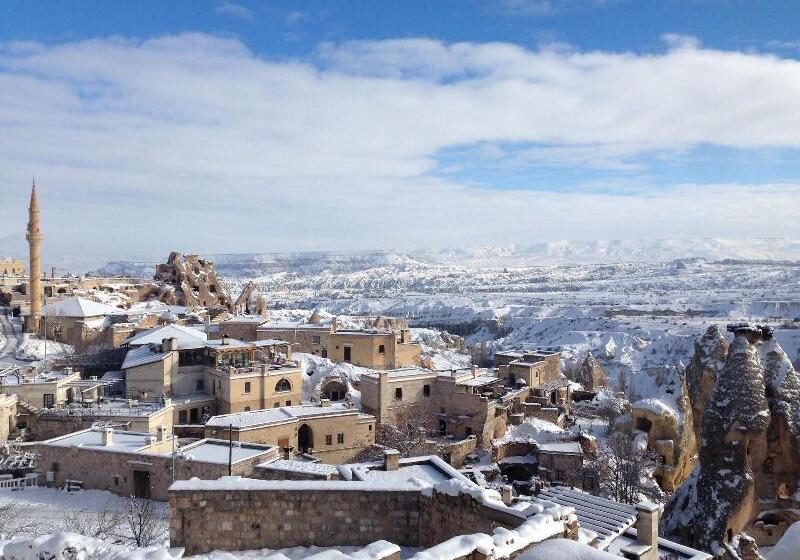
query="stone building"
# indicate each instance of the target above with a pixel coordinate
(191, 281)
(333, 432)
(12, 267)
(458, 403)
(374, 348)
(45, 390)
(77, 321)
(140, 464)
(8, 416)
(203, 377)
(531, 368)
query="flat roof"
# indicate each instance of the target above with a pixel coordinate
(562, 447)
(217, 451)
(93, 439)
(401, 373)
(265, 417)
(293, 465)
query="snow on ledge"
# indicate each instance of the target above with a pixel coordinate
(233, 483)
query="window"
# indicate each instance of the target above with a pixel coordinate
(324, 353)
(381, 349)
(199, 385)
(116, 481)
(246, 387)
(370, 427)
(276, 405)
(340, 438)
(467, 431)
(55, 467)
(315, 339)
(247, 409)
(48, 400)
(426, 390)
(329, 439)
(398, 394)
(288, 403)
(283, 386)
(182, 417)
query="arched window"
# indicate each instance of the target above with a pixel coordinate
(283, 386)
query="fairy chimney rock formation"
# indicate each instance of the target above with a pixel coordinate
(709, 357)
(592, 375)
(191, 281)
(749, 466)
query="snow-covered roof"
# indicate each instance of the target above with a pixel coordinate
(291, 325)
(308, 467)
(217, 451)
(78, 307)
(186, 336)
(142, 355)
(607, 518)
(400, 373)
(93, 439)
(561, 447)
(253, 418)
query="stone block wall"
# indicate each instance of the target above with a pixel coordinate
(286, 514)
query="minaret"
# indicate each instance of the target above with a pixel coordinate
(34, 236)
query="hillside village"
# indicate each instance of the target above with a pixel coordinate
(301, 429)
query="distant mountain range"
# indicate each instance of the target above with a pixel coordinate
(549, 253)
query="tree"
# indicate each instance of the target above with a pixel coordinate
(14, 524)
(145, 523)
(624, 467)
(408, 434)
(103, 525)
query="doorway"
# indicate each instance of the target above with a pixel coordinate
(141, 484)
(305, 438)
(348, 353)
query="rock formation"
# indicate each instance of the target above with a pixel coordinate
(191, 281)
(592, 375)
(702, 372)
(749, 470)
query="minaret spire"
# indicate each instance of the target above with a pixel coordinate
(34, 236)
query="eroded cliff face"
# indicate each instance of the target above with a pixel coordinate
(592, 375)
(710, 353)
(191, 281)
(749, 457)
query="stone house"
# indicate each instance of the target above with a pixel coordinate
(333, 432)
(531, 368)
(12, 267)
(46, 390)
(203, 377)
(8, 416)
(458, 403)
(374, 348)
(77, 321)
(140, 464)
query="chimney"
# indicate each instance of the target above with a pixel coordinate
(52, 272)
(161, 433)
(208, 325)
(107, 435)
(288, 352)
(287, 452)
(224, 340)
(324, 402)
(507, 493)
(646, 547)
(151, 440)
(391, 459)
(169, 344)
(474, 371)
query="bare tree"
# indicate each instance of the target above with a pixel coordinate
(408, 434)
(145, 523)
(13, 524)
(623, 469)
(103, 525)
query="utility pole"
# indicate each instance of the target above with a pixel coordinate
(230, 449)
(173, 456)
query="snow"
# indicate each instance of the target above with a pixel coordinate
(71, 546)
(656, 406)
(32, 348)
(217, 451)
(139, 356)
(565, 549)
(237, 483)
(78, 307)
(268, 416)
(186, 336)
(93, 438)
(533, 430)
(788, 548)
(319, 371)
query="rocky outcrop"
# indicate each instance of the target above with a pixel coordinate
(191, 281)
(702, 371)
(592, 375)
(749, 465)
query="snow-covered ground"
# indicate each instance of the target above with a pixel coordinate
(32, 348)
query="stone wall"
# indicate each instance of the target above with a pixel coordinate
(287, 514)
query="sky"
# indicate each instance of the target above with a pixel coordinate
(226, 127)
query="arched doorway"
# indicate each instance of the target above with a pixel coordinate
(334, 391)
(305, 438)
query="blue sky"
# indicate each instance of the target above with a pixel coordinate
(352, 125)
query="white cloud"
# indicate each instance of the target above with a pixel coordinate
(192, 142)
(235, 10)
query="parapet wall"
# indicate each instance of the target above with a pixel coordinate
(253, 514)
